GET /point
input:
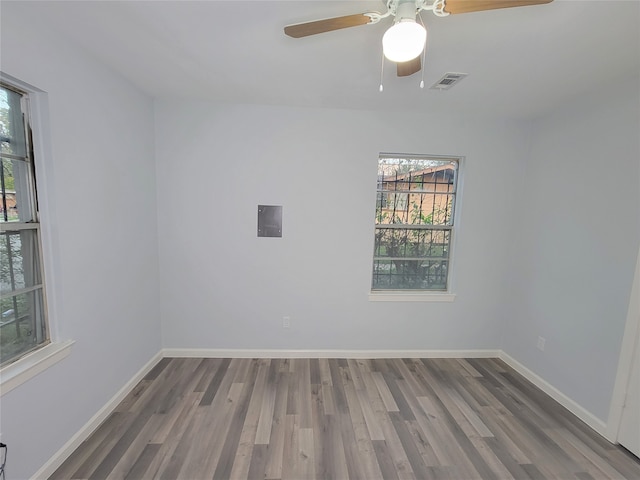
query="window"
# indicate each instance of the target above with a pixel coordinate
(23, 323)
(414, 222)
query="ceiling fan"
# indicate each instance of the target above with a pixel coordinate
(405, 40)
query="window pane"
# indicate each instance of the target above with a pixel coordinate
(417, 174)
(401, 242)
(416, 191)
(415, 209)
(19, 260)
(21, 325)
(12, 134)
(415, 204)
(16, 204)
(22, 315)
(409, 275)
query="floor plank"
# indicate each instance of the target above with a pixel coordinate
(343, 419)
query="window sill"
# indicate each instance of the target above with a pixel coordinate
(17, 373)
(411, 297)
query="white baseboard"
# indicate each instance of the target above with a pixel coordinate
(74, 442)
(587, 417)
(248, 353)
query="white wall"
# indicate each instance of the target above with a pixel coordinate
(579, 235)
(222, 287)
(101, 180)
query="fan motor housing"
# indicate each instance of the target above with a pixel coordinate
(405, 10)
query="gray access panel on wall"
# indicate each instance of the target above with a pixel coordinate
(270, 220)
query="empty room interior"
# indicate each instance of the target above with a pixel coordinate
(240, 243)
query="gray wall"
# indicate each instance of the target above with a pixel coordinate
(578, 236)
(222, 287)
(100, 179)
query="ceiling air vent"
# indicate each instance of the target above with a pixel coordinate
(448, 81)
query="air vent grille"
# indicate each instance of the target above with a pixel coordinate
(448, 80)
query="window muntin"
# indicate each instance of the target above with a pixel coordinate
(23, 325)
(415, 205)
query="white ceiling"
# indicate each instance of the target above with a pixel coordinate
(520, 61)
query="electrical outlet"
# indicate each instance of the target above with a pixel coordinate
(286, 322)
(541, 343)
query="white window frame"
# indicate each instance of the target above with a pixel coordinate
(36, 361)
(447, 295)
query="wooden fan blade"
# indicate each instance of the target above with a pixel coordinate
(409, 68)
(320, 26)
(466, 6)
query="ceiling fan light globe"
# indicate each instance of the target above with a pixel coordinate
(404, 41)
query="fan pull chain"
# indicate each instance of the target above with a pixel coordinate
(424, 54)
(382, 72)
(424, 57)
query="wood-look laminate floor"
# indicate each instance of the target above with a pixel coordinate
(449, 419)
